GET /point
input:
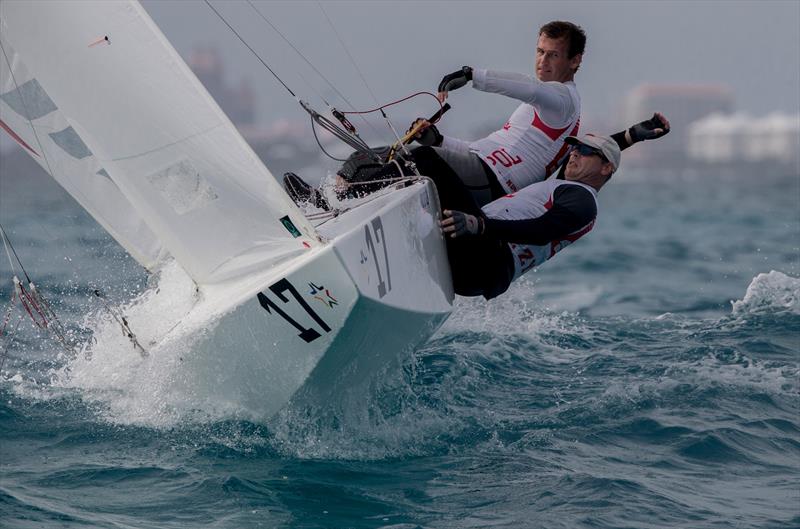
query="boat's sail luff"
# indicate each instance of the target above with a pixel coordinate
(25, 106)
(173, 153)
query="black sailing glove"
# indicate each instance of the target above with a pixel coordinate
(456, 79)
(429, 137)
(651, 129)
(458, 224)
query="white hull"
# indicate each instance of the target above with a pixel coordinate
(329, 321)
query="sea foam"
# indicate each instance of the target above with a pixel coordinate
(769, 293)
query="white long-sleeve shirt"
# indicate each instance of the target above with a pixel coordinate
(530, 146)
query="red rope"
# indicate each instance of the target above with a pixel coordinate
(358, 112)
(28, 302)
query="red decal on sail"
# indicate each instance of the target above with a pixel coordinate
(551, 133)
(15, 137)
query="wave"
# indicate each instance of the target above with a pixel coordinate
(506, 374)
(773, 292)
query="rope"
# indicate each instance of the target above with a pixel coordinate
(326, 153)
(387, 105)
(30, 305)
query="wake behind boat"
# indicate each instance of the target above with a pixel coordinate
(120, 121)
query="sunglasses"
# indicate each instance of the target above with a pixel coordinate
(585, 150)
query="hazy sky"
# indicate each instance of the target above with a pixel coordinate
(403, 47)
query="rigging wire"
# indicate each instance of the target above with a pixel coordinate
(310, 64)
(347, 51)
(298, 52)
(353, 140)
(32, 301)
(313, 89)
(251, 49)
(7, 244)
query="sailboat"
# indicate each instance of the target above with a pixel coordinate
(96, 94)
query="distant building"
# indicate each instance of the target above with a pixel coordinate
(683, 104)
(739, 140)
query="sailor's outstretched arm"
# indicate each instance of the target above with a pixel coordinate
(553, 100)
(650, 129)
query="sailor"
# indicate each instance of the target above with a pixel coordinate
(527, 149)
(491, 246)
(530, 146)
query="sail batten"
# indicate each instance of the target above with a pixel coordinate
(133, 107)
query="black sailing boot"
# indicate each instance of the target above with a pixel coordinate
(301, 192)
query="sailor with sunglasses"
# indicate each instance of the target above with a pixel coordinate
(490, 247)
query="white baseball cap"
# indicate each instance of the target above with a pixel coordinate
(604, 144)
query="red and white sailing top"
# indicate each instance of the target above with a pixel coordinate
(530, 146)
(529, 203)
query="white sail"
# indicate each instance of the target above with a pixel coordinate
(178, 160)
(31, 118)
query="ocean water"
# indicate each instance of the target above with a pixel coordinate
(646, 377)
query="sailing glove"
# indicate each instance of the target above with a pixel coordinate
(429, 137)
(456, 79)
(458, 224)
(650, 129)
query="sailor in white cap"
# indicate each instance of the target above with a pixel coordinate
(491, 247)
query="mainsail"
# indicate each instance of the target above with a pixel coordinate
(127, 104)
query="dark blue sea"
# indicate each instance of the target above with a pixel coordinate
(646, 377)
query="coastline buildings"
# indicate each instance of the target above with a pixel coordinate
(682, 104)
(709, 135)
(740, 139)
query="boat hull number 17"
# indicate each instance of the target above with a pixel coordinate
(374, 236)
(309, 334)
